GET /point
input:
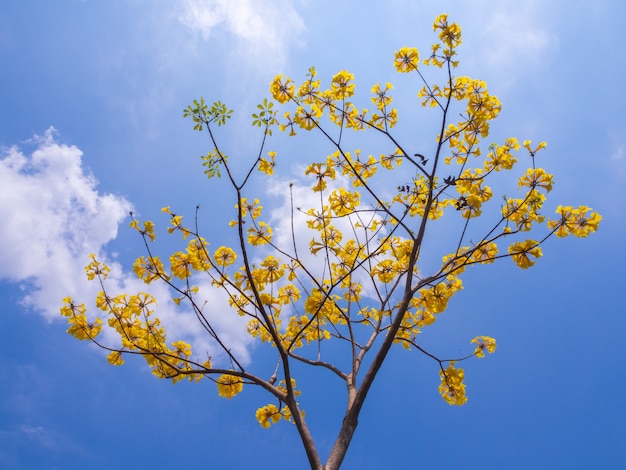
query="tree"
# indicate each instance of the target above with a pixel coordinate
(357, 285)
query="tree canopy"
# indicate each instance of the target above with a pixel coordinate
(339, 293)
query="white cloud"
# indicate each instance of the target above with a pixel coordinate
(516, 35)
(619, 153)
(54, 217)
(265, 27)
(509, 40)
(617, 158)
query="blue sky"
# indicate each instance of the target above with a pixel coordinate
(91, 126)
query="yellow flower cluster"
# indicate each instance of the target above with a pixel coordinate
(435, 299)
(267, 415)
(267, 166)
(224, 256)
(521, 252)
(343, 202)
(80, 327)
(429, 302)
(229, 385)
(96, 269)
(450, 37)
(270, 414)
(578, 222)
(149, 268)
(182, 264)
(381, 96)
(147, 231)
(140, 332)
(311, 103)
(406, 59)
(484, 343)
(452, 388)
(500, 157)
(282, 90)
(342, 85)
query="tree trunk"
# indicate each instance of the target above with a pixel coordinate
(342, 443)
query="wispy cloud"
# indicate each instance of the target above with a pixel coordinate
(617, 158)
(265, 28)
(509, 41)
(522, 37)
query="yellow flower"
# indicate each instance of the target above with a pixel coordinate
(260, 235)
(472, 207)
(450, 34)
(585, 223)
(308, 90)
(381, 98)
(440, 22)
(353, 292)
(224, 256)
(288, 294)
(182, 349)
(267, 415)
(288, 125)
(500, 158)
(95, 268)
(484, 342)
(282, 386)
(388, 161)
(81, 329)
(385, 271)
(354, 118)
(115, 358)
(139, 304)
(320, 172)
(435, 299)
(452, 388)
(406, 59)
(578, 222)
(430, 95)
(524, 212)
(387, 119)
(267, 166)
(197, 253)
(307, 118)
(253, 208)
(149, 269)
(536, 178)
(540, 146)
(282, 91)
(343, 202)
(69, 308)
(229, 385)
(434, 59)
(364, 169)
(148, 230)
(341, 86)
(484, 253)
(103, 301)
(271, 270)
(318, 303)
(180, 265)
(521, 252)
